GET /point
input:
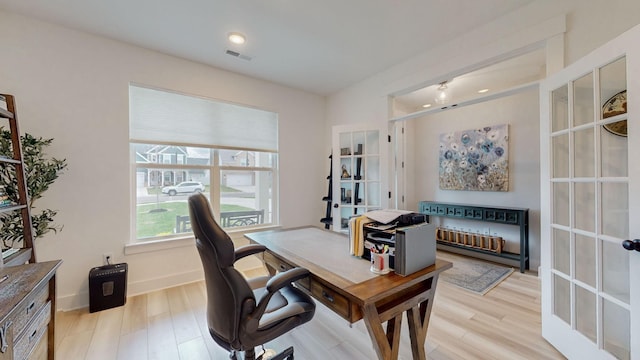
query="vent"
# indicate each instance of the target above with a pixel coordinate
(238, 55)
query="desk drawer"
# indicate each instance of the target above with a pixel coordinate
(34, 332)
(280, 265)
(328, 297)
(26, 312)
(336, 302)
(276, 263)
(40, 351)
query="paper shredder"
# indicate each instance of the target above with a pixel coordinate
(107, 287)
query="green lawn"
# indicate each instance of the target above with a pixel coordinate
(163, 222)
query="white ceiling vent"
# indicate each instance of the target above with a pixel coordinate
(238, 55)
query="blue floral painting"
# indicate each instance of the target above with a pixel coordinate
(476, 160)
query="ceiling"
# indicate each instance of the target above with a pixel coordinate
(499, 77)
(317, 46)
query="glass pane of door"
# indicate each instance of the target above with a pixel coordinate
(562, 298)
(560, 144)
(615, 271)
(585, 258)
(613, 153)
(584, 205)
(614, 207)
(616, 323)
(583, 100)
(561, 251)
(586, 312)
(560, 109)
(584, 153)
(561, 204)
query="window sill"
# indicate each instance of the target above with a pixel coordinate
(188, 240)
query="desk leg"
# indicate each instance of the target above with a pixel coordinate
(418, 308)
(386, 344)
(418, 318)
(272, 271)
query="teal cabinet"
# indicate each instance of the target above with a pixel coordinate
(501, 215)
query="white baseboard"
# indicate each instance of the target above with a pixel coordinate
(81, 299)
(149, 285)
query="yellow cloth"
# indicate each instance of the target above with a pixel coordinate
(356, 234)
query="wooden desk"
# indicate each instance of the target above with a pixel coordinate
(345, 285)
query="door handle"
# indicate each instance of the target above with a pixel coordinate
(631, 244)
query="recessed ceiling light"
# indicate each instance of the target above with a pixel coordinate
(426, 106)
(483, 91)
(237, 38)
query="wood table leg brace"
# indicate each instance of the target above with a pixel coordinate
(418, 309)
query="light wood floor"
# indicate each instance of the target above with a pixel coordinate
(170, 324)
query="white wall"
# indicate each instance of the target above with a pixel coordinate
(73, 87)
(587, 25)
(521, 113)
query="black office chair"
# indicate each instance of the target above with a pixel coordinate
(243, 314)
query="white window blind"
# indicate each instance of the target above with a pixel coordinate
(156, 115)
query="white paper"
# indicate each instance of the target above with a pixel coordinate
(386, 216)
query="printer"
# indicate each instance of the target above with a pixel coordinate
(410, 239)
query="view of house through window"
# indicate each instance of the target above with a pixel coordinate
(238, 180)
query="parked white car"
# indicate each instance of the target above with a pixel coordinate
(183, 187)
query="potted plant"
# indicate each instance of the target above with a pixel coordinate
(40, 172)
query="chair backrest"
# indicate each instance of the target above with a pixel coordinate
(227, 290)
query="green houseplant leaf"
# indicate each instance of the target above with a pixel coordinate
(40, 172)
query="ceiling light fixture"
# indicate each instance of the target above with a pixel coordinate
(426, 106)
(237, 38)
(482, 91)
(442, 94)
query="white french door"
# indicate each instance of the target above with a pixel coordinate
(590, 178)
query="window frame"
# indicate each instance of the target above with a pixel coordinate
(205, 123)
(215, 170)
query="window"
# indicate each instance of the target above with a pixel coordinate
(166, 158)
(181, 145)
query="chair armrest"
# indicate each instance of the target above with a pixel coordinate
(278, 281)
(249, 250)
(274, 284)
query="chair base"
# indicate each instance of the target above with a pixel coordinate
(266, 354)
(286, 354)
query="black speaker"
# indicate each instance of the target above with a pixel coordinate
(107, 287)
